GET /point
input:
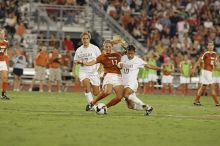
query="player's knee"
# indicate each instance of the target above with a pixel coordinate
(95, 93)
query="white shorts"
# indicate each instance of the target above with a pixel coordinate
(93, 77)
(152, 77)
(194, 80)
(184, 80)
(216, 80)
(131, 84)
(143, 80)
(167, 79)
(206, 77)
(113, 79)
(3, 66)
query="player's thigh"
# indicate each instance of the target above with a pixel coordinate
(96, 90)
(86, 82)
(4, 75)
(213, 91)
(119, 91)
(107, 88)
(127, 91)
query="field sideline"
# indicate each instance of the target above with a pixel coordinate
(59, 119)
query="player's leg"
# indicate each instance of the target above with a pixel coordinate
(214, 96)
(4, 75)
(107, 89)
(133, 102)
(119, 95)
(87, 89)
(201, 90)
(95, 81)
(170, 88)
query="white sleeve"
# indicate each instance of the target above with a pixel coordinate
(123, 58)
(98, 52)
(76, 55)
(141, 63)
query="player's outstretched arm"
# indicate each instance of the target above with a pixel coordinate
(152, 67)
(89, 63)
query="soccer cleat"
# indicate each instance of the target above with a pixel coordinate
(89, 107)
(148, 111)
(218, 104)
(197, 104)
(4, 97)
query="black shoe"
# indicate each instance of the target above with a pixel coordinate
(89, 107)
(4, 97)
(197, 104)
(148, 111)
(218, 104)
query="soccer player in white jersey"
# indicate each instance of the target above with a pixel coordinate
(130, 65)
(88, 75)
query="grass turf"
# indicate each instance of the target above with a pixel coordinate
(59, 119)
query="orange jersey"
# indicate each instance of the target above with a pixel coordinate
(3, 48)
(110, 62)
(42, 59)
(209, 59)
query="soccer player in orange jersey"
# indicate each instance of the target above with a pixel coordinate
(3, 64)
(208, 61)
(112, 75)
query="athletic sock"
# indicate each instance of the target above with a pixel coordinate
(135, 99)
(4, 86)
(138, 107)
(89, 97)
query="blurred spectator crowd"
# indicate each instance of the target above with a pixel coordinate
(169, 27)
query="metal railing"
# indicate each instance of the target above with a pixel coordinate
(54, 18)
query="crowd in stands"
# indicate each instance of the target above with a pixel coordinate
(169, 27)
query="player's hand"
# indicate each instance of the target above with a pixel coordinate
(79, 62)
(120, 65)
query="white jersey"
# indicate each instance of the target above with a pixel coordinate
(131, 67)
(87, 54)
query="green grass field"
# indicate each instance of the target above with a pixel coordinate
(59, 119)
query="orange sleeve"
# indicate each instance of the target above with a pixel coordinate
(99, 59)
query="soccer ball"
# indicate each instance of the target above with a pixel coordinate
(101, 109)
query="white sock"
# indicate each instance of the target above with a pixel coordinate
(138, 107)
(135, 99)
(89, 97)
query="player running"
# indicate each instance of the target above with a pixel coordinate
(130, 65)
(208, 61)
(88, 75)
(4, 64)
